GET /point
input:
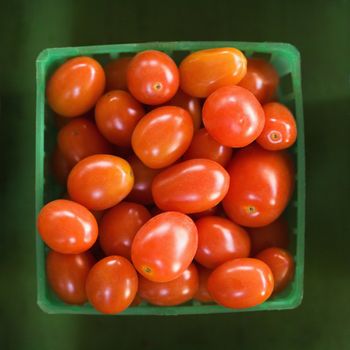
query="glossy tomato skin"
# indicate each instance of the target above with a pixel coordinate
(75, 86)
(142, 189)
(191, 186)
(190, 104)
(152, 77)
(164, 247)
(60, 166)
(162, 136)
(233, 116)
(280, 130)
(204, 146)
(241, 283)
(281, 264)
(67, 273)
(203, 294)
(67, 227)
(79, 139)
(262, 184)
(175, 292)
(220, 240)
(86, 187)
(273, 235)
(205, 71)
(117, 114)
(115, 72)
(111, 285)
(119, 226)
(261, 79)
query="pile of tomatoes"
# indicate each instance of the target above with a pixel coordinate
(176, 181)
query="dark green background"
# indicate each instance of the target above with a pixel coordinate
(320, 30)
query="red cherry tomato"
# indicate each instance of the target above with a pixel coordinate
(60, 166)
(67, 273)
(261, 186)
(205, 71)
(203, 294)
(117, 114)
(101, 181)
(280, 130)
(233, 116)
(75, 86)
(272, 235)
(162, 136)
(261, 79)
(164, 246)
(175, 292)
(281, 264)
(118, 227)
(152, 77)
(142, 190)
(220, 240)
(112, 284)
(204, 146)
(67, 227)
(241, 283)
(191, 186)
(115, 72)
(79, 139)
(191, 104)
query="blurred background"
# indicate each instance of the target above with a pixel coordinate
(320, 30)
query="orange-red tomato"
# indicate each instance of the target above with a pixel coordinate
(67, 227)
(101, 181)
(175, 292)
(272, 235)
(204, 146)
(241, 283)
(152, 77)
(280, 130)
(118, 227)
(164, 246)
(67, 273)
(79, 139)
(233, 116)
(60, 166)
(220, 240)
(191, 186)
(203, 72)
(75, 86)
(142, 190)
(261, 79)
(261, 186)
(203, 294)
(117, 114)
(111, 285)
(281, 264)
(191, 104)
(115, 72)
(162, 136)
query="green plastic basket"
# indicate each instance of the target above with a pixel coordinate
(284, 57)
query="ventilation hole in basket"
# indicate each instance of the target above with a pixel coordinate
(286, 85)
(102, 58)
(263, 55)
(179, 55)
